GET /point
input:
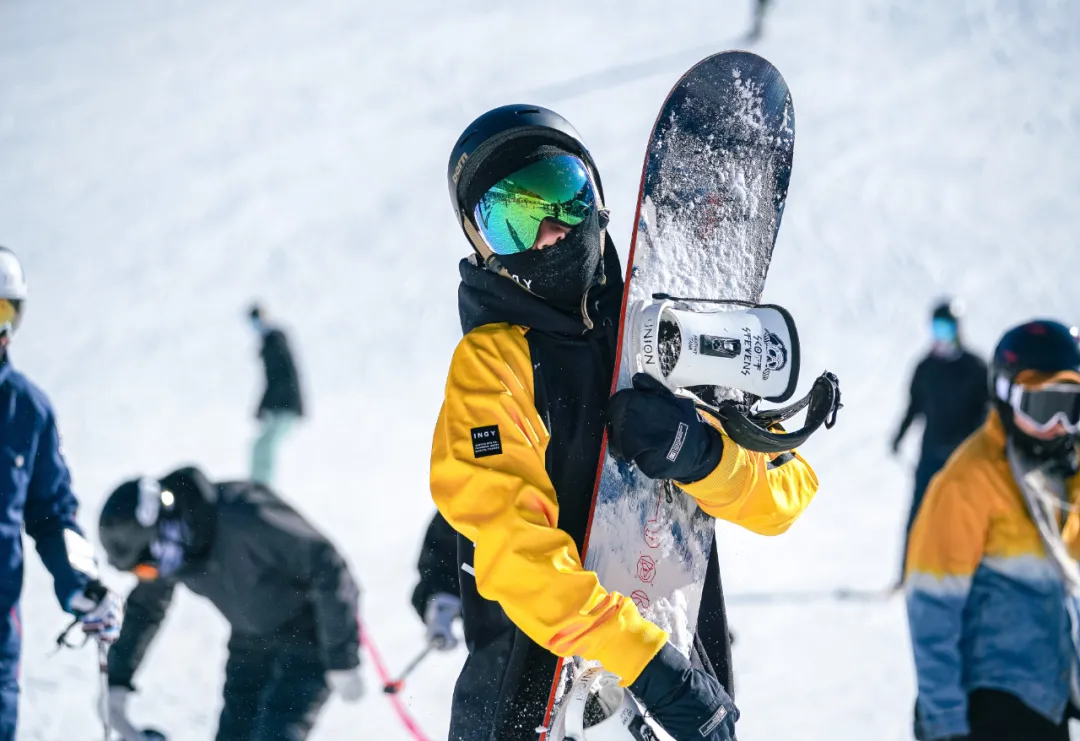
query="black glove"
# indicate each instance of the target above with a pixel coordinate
(687, 702)
(662, 433)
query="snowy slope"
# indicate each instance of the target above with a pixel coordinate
(163, 163)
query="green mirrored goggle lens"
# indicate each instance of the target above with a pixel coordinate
(508, 216)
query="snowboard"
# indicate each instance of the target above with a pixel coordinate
(711, 198)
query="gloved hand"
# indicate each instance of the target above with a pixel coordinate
(439, 616)
(661, 432)
(687, 702)
(100, 611)
(116, 704)
(349, 683)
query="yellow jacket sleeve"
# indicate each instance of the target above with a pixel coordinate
(763, 493)
(500, 498)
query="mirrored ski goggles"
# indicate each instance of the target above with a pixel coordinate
(1047, 406)
(9, 316)
(508, 216)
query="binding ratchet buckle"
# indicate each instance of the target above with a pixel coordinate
(754, 431)
(753, 349)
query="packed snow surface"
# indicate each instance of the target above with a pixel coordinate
(162, 164)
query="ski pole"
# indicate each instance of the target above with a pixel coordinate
(403, 715)
(394, 686)
(103, 670)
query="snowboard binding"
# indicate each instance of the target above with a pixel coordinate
(596, 708)
(754, 351)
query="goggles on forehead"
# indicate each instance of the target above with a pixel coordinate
(509, 214)
(1047, 406)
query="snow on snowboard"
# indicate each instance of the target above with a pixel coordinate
(712, 194)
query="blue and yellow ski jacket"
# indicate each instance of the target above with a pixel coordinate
(986, 606)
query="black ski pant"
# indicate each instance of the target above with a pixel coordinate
(994, 715)
(275, 686)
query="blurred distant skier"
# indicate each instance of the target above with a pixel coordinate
(948, 391)
(35, 494)
(284, 589)
(760, 7)
(436, 596)
(517, 444)
(281, 404)
(993, 583)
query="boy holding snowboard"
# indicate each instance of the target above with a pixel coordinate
(518, 443)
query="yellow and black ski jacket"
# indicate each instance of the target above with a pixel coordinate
(513, 463)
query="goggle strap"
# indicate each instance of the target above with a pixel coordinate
(477, 241)
(492, 263)
(1003, 387)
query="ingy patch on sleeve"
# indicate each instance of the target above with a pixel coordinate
(486, 441)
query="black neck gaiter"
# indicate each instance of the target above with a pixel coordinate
(562, 273)
(1058, 456)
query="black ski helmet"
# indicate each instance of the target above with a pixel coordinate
(951, 310)
(128, 524)
(1042, 346)
(125, 527)
(497, 132)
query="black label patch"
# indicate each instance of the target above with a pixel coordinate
(720, 347)
(486, 441)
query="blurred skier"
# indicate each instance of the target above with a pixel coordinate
(760, 7)
(948, 390)
(281, 404)
(435, 597)
(285, 590)
(993, 586)
(35, 494)
(517, 444)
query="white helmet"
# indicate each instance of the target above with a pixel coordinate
(12, 278)
(596, 694)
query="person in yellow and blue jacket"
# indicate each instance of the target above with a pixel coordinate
(518, 441)
(992, 577)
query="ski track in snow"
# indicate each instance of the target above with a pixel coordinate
(165, 163)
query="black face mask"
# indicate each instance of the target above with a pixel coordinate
(1057, 456)
(562, 273)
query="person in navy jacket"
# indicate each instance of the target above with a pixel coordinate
(35, 494)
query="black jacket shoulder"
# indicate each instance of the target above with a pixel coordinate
(437, 565)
